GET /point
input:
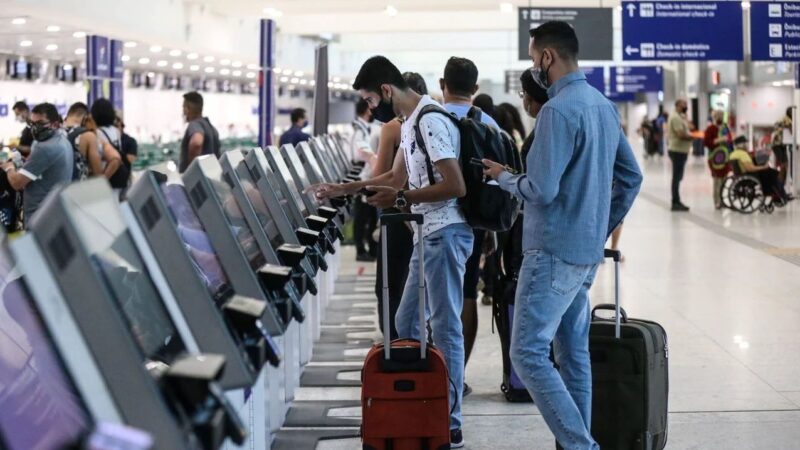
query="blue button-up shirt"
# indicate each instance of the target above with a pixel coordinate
(581, 175)
(294, 136)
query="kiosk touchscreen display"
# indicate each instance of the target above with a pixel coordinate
(196, 242)
(238, 224)
(262, 211)
(281, 168)
(39, 406)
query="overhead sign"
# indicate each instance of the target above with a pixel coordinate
(596, 77)
(636, 79)
(592, 25)
(682, 31)
(775, 31)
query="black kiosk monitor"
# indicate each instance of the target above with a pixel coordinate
(272, 221)
(329, 170)
(40, 404)
(239, 253)
(282, 206)
(221, 321)
(110, 293)
(301, 154)
(304, 201)
(300, 176)
(338, 153)
(336, 167)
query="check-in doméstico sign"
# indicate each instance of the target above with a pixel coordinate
(682, 30)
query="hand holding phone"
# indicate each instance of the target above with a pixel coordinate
(366, 192)
(476, 162)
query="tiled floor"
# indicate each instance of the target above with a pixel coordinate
(731, 309)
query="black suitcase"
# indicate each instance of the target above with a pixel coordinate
(630, 378)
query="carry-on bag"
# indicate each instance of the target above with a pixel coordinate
(630, 378)
(404, 383)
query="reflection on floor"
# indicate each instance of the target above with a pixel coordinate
(731, 308)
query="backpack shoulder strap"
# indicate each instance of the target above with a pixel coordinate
(420, 140)
(475, 113)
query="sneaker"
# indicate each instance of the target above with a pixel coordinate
(456, 439)
(467, 390)
(365, 257)
(679, 207)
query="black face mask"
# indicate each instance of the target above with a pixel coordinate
(384, 112)
(41, 131)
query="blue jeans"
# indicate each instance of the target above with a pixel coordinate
(552, 305)
(446, 253)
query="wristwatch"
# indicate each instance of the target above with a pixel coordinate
(400, 202)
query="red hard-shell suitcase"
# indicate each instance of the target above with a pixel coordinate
(405, 385)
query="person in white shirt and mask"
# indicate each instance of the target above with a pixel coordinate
(365, 219)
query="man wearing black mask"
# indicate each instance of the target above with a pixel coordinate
(680, 143)
(23, 114)
(50, 162)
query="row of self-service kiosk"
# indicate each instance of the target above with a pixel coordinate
(187, 312)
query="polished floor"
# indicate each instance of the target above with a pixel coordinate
(724, 285)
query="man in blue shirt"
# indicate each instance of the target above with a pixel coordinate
(581, 181)
(459, 85)
(294, 135)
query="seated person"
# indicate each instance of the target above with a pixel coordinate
(765, 174)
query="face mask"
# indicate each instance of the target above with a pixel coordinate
(41, 131)
(540, 76)
(384, 112)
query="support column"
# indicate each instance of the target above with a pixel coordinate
(117, 75)
(266, 86)
(98, 68)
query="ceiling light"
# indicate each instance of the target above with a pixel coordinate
(236, 64)
(151, 74)
(194, 68)
(156, 48)
(273, 13)
(295, 80)
(253, 66)
(277, 71)
(330, 84)
(312, 82)
(506, 8)
(144, 60)
(225, 71)
(125, 58)
(18, 21)
(251, 74)
(225, 62)
(745, 5)
(298, 73)
(177, 66)
(284, 79)
(391, 11)
(51, 47)
(175, 53)
(208, 59)
(80, 51)
(162, 63)
(777, 83)
(304, 82)
(210, 70)
(131, 44)
(67, 67)
(237, 73)
(25, 43)
(79, 34)
(192, 56)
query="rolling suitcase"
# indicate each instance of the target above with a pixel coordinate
(630, 378)
(405, 383)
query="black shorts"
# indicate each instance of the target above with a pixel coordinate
(781, 154)
(473, 266)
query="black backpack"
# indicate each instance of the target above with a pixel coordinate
(486, 206)
(120, 178)
(80, 167)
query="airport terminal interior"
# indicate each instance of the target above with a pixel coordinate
(205, 242)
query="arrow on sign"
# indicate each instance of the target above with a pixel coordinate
(631, 9)
(631, 50)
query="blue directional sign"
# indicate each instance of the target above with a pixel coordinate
(4, 110)
(682, 31)
(98, 57)
(636, 79)
(775, 31)
(596, 78)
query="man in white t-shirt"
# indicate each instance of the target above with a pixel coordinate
(365, 217)
(446, 236)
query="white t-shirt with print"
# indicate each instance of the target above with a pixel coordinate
(442, 141)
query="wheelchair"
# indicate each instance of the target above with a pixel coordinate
(744, 193)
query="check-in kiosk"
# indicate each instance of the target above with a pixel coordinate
(336, 149)
(134, 339)
(330, 170)
(250, 274)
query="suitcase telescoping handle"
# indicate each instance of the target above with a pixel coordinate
(620, 316)
(388, 219)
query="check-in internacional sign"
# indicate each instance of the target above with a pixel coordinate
(682, 31)
(592, 25)
(775, 31)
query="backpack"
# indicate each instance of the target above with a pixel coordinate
(121, 177)
(80, 166)
(486, 206)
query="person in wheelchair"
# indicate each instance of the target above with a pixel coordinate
(768, 176)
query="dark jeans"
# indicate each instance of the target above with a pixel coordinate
(364, 223)
(678, 166)
(771, 183)
(399, 246)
